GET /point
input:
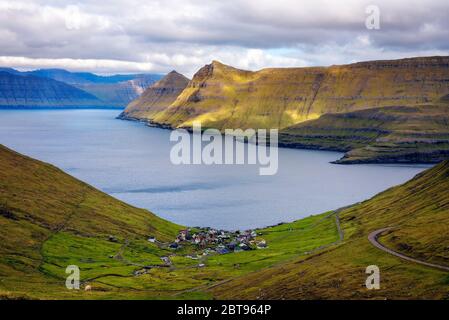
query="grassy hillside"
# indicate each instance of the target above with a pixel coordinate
(156, 98)
(224, 97)
(388, 134)
(418, 212)
(50, 220)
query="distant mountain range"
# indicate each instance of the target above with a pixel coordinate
(18, 90)
(111, 91)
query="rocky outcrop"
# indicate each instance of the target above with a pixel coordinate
(30, 91)
(156, 98)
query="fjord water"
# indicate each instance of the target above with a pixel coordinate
(131, 162)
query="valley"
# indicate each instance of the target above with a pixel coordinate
(52, 220)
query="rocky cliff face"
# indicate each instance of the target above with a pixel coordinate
(157, 97)
(224, 97)
(30, 91)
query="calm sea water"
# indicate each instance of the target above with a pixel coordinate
(131, 162)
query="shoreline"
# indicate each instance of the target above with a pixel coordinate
(298, 146)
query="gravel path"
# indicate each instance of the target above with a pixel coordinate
(373, 238)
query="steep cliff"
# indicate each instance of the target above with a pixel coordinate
(30, 91)
(114, 90)
(225, 97)
(157, 97)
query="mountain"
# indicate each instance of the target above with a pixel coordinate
(390, 134)
(157, 97)
(50, 220)
(82, 78)
(30, 91)
(225, 97)
(10, 70)
(114, 90)
(411, 220)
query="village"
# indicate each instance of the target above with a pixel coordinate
(206, 242)
(212, 241)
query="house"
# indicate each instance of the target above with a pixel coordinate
(262, 244)
(174, 245)
(231, 246)
(184, 235)
(222, 251)
(152, 239)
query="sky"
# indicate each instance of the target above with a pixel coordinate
(134, 36)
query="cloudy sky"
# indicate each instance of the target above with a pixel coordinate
(120, 36)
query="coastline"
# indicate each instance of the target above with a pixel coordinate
(400, 160)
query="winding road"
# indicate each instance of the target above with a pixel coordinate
(374, 237)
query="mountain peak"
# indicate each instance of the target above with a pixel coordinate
(157, 97)
(217, 63)
(172, 77)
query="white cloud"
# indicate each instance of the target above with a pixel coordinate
(94, 65)
(158, 36)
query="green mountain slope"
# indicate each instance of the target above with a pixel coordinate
(388, 134)
(221, 96)
(417, 212)
(156, 98)
(50, 220)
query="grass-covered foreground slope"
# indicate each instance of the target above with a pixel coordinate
(417, 212)
(223, 97)
(156, 98)
(50, 220)
(388, 134)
